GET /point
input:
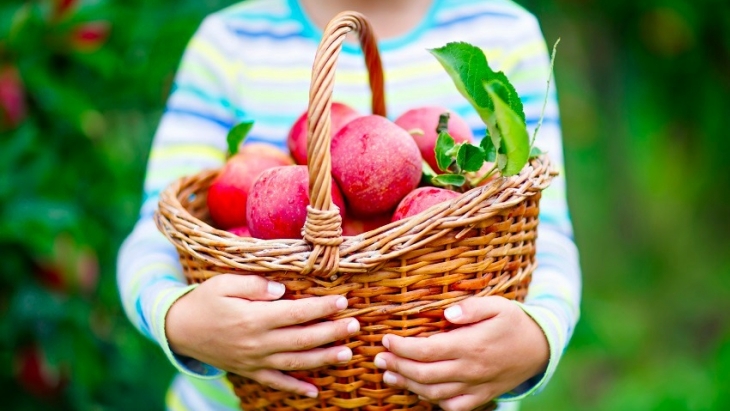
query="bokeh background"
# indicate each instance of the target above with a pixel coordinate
(644, 92)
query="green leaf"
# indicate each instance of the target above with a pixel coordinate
(427, 174)
(501, 161)
(236, 136)
(468, 68)
(444, 143)
(508, 93)
(490, 152)
(469, 158)
(453, 151)
(535, 152)
(516, 141)
(443, 180)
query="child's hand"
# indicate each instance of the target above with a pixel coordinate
(464, 368)
(231, 322)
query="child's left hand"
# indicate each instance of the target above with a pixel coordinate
(501, 348)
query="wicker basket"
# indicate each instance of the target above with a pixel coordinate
(398, 279)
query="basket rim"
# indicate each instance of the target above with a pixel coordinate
(465, 211)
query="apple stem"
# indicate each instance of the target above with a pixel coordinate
(443, 123)
(484, 177)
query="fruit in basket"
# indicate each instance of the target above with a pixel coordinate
(376, 163)
(229, 192)
(277, 203)
(341, 114)
(357, 226)
(422, 122)
(422, 199)
(242, 231)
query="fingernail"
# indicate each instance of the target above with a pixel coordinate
(275, 289)
(422, 398)
(453, 313)
(379, 361)
(311, 394)
(389, 378)
(353, 326)
(386, 343)
(341, 303)
(344, 355)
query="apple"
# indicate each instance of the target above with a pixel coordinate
(242, 231)
(355, 226)
(278, 200)
(228, 193)
(376, 163)
(340, 115)
(422, 123)
(422, 199)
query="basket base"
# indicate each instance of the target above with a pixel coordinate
(255, 396)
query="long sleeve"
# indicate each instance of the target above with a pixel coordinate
(553, 299)
(190, 137)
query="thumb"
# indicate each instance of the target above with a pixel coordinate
(248, 286)
(476, 309)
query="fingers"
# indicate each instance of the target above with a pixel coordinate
(421, 372)
(477, 309)
(431, 392)
(307, 360)
(280, 381)
(283, 313)
(464, 402)
(299, 338)
(438, 347)
(251, 287)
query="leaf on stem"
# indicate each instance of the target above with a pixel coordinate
(490, 152)
(469, 158)
(443, 180)
(468, 68)
(444, 143)
(515, 140)
(535, 152)
(236, 136)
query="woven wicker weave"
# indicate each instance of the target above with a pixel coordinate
(398, 279)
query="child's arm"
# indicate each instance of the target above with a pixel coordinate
(215, 326)
(508, 350)
(190, 137)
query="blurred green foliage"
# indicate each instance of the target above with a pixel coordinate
(644, 92)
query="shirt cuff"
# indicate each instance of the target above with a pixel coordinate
(546, 320)
(185, 365)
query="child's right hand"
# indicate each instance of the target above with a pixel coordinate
(233, 323)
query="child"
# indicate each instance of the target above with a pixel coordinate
(253, 61)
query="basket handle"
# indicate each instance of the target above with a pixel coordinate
(323, 227)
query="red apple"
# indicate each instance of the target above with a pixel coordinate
(228, 193)
(240, 231)
(356, 226)
(426, 119)
(297, 140)
(277, 203)
(376, 163)
(422, 199)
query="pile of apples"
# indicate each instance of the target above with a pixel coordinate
(377, 166)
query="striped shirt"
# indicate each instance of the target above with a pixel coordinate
(253, 61)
